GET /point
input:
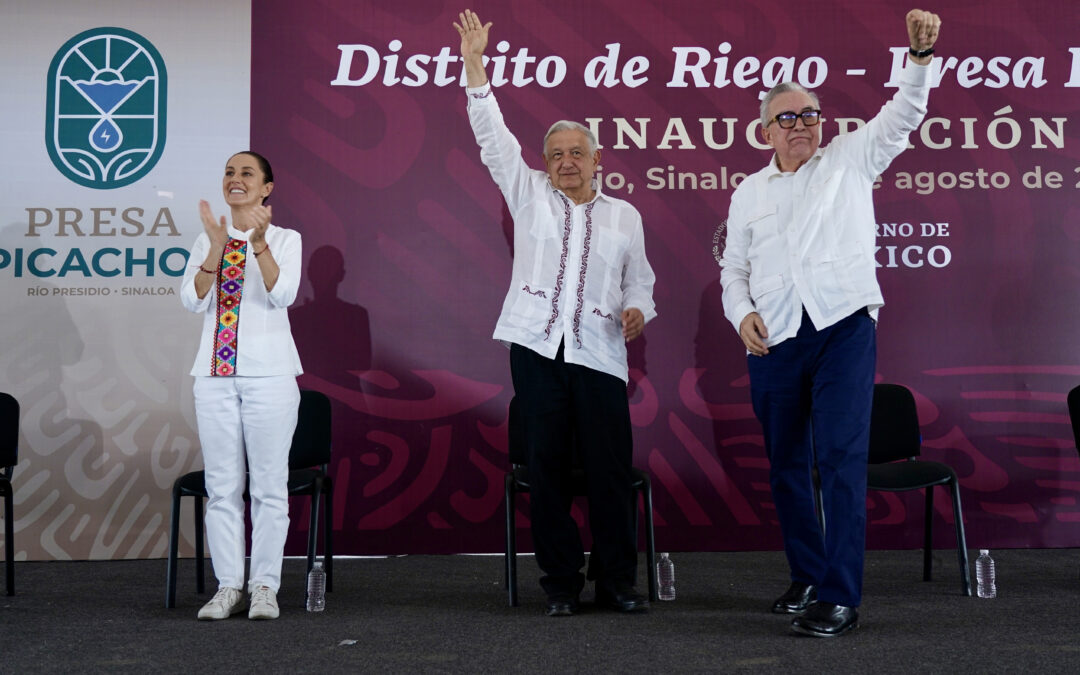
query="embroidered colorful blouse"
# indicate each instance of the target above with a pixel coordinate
(246, 328)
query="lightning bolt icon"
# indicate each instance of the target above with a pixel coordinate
(105, 135)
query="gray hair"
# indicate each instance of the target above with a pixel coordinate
(568, 125)
(783, 88)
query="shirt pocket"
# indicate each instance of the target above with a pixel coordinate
(531, 301)
(763, 284)
(840, 275)
(607, 324)
(547, 220)
(763, 227)
(543, 232)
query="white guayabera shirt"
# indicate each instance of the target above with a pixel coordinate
(806, 238)
(576, 266)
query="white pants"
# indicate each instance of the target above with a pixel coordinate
(259, 414)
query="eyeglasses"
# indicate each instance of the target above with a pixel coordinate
(786, 119)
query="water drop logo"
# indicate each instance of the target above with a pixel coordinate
(105, 112)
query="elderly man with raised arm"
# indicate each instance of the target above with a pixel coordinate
(581, 289)
(800, 287)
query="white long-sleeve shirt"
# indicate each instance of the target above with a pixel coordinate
(264, 338)
(806, 238)
(576, 266)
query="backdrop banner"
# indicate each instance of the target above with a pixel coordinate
(118, 117)
(408, 244)
(408, 250)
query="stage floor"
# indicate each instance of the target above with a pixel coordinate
(449, 614)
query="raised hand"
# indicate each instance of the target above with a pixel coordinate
(474, 34)
(258, 220)
(923, 28)
(214, 229)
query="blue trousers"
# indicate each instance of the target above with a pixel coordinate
(812, 394)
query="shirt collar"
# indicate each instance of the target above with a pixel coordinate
(241, 234)
(595, 186)
(774, 168)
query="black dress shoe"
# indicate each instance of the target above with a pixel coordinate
(562, 604)
(796, 599)
(627, 600)
(824, 619)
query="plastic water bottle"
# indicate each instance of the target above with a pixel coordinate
(984, 575)
(665, 573)
(316, 588)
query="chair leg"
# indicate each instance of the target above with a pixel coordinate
(9, 538)
(928, 535)
(650, 542)
(328, 533)
(174, 544)
(313, 525)
(511, 543)
(200, 551)
(961, 540)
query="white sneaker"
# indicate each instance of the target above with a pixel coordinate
(263, 603)
(224, 604)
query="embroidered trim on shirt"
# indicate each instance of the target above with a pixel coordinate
(597, 312)
(230, 285)
(581, 274)
(468, 100)
(562, 267)
(539, 294)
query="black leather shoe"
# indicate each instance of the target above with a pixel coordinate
(824, 619)
(562, 604)
(628, 600)
(796, 599)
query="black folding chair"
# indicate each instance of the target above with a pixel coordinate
(309, 460)
(895, 445)
(517, 482)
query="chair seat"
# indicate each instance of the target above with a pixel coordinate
(303, 480)
(300, 481)
(900, 476)
(577, 479)
(193, 483)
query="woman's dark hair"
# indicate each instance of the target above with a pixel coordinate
(264, 165)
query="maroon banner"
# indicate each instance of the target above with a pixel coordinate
(408, 247)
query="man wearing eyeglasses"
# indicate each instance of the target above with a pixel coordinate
(800, 287)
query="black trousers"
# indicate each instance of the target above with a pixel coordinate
(573, 414)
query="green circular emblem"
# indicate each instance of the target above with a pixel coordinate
(105, 111)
